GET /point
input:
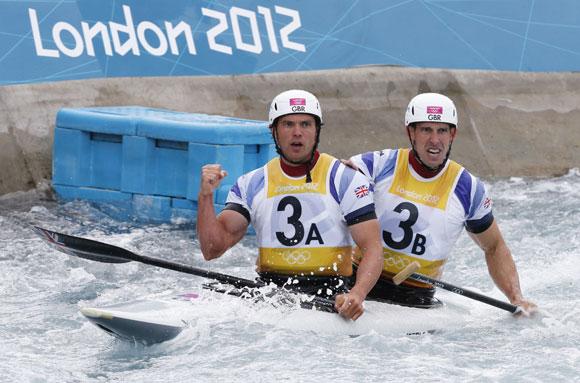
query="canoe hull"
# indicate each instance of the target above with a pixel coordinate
(155, 321)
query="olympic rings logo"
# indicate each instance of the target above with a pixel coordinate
(397, 262)
(297, 257)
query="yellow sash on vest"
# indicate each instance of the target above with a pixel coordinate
(303, 260)
(432, 193)
(307, 261)
(395, 262)
(280, 184)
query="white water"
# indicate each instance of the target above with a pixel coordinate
(43, 337)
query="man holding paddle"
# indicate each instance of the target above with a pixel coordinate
(304, 206)
(423, 200)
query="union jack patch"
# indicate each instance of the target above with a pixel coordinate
(361, 191)
(487, 203)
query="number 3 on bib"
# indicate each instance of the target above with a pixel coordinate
(294, 221)
(409, 236)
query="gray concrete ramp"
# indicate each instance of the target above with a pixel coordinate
(510, 123)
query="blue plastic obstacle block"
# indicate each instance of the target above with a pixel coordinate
(152, 157)
(87, 158)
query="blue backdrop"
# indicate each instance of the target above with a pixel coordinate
(50, 40)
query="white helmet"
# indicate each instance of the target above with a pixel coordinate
(293, 102)
(431, 107)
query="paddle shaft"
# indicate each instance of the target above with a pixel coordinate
(224, 278)
(103, 252)
(466, 293)
(322, 303)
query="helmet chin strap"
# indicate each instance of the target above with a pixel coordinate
(428, 168)
(431, 169)
(305, 162)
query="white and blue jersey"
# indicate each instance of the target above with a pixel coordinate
(421, 218)
(302, 228)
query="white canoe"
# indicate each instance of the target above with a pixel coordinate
(158, 320)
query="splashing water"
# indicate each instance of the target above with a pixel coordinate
(44, 338)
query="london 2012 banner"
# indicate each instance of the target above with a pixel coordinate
(51, 40)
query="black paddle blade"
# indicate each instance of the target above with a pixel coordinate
(84, 248)
(102, 252)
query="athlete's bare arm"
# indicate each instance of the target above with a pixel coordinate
(366, 236)
(216, 234)
(501, 266)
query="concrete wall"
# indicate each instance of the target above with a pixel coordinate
(510, 124)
